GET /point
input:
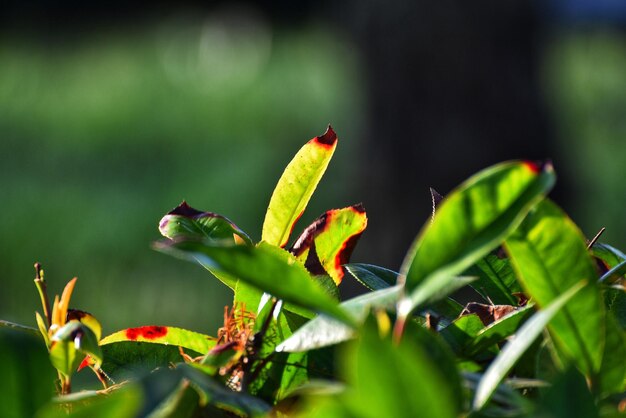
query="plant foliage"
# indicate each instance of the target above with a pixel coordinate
(547, 321)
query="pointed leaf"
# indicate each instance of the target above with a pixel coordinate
(70, 344)
(328, 242)
(515, 348)
(550, 255)
(296, 186)
(473, 220)
(187, 222)
(372, 277)
(266, 267)
(191, 340)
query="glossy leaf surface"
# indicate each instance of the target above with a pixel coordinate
(266, 267)
(187, 222)
(371, 276)
(474, 219)
(155, 334)
(550, 255)
(515, 348)
(70, 344)
(296, 186)
(327, 243)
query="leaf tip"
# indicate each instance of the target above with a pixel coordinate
(329, 138)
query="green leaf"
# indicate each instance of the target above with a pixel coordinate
(568, 397)
(610, 255)
(26, 377)
(613, 369)
(372, 277)
(19, 327)
(266, 267)
(187, 222)
(515, 348)
(323, 331)
(70, 344)
(328, 242)
(472, 221)
(461, 332)
(550, 255)
(615, 302)
(129, 359)
(395, 370)
(190, 340)
(122, 403)
(496, 279)
(217, 394)
(614, 274)
(498, 331)
(296, 186)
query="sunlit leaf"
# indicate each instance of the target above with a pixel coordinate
(187, 222)
(472, 220)
(70, 344)
(125, 402)
(266, 267)
(461, 332)
(327, 243)
(87, 319)
(372, 277)
(296, 186)
(155, 334)
(496, 279)
(515, 348)
(550, 255)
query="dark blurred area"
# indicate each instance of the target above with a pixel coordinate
(112, 113)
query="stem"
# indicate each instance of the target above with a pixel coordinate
(398, 329)
(43, 294)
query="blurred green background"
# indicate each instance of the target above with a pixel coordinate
(104, 129)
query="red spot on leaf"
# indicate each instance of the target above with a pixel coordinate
(85, 363)
(328, 139)
(532, 166)
(150, 332)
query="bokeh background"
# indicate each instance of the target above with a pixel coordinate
(112, 113)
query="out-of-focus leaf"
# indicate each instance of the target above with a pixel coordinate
(394, 368)
(191, 340)
(21, 328)
(121, 403)
(87, 319)
(27, 377)
(613, 369)
(187, 222)
(496, 279)
(461, 332)
(372, 277)
(568, 397)
(610, 255)
(322, 330)
(498, 330)
(296, 186)
(515, 348)
(550, 255)
(471, 221)
(266, 267)
(614, 274)
(217, 394)
(328, 242)
(70, 344)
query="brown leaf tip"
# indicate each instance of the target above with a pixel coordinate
(185, 210)
(359, 208)
(328, 138)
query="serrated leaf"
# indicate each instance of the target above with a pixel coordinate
(328, 242)
(296, 186)
(187, 222)
(70, 344)
(155, 334)
(266, 267)
(515, 348)
(550, 255)
(372, 277)
(473, 220)
(496, 279)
